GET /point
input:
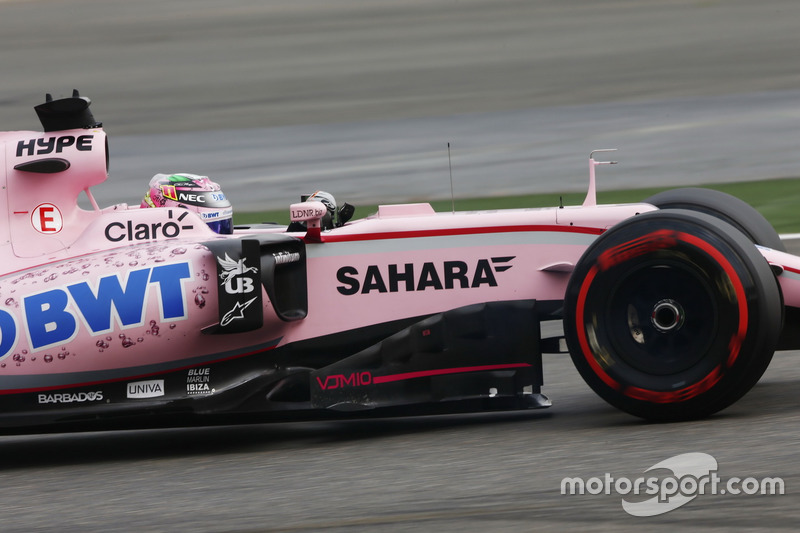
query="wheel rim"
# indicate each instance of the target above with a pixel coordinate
(662, 318)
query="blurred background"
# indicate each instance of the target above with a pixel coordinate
(278, 98)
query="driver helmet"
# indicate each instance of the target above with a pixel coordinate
(329, 202)
(193, 192)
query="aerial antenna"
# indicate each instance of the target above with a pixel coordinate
(450, 164)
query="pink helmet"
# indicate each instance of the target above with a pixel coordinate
(193, 192)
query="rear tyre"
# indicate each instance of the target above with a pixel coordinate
(732, 210)
(672, 315)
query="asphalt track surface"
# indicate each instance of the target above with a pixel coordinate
(360, 97)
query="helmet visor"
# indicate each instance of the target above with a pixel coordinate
(224, 226)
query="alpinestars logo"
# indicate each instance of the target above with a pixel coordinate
(415, 277)
(236, 313)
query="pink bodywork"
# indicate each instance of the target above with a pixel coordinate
(404, 261)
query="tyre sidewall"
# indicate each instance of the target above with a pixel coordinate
(741, 301)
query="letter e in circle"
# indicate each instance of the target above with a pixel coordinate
(46, 218)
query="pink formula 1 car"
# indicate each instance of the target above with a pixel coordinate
(129, 317)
